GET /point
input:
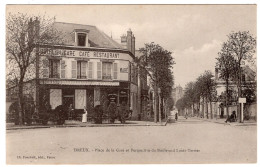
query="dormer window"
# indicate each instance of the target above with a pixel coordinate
(81, 37)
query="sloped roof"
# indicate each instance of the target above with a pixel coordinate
(250, 73)
(96, 37)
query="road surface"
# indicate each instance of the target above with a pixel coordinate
(185, 141)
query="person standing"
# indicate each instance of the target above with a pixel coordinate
(176, 115)
(71, 113)
(123, 112)
(85, 115)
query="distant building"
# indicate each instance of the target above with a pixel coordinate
(248, 85)
(177, 93)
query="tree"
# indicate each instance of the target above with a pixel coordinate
(157, 62)
(181, 104)
(227, 68)
(206, 90)
(22, 39)
(242, 46)
(191, 95)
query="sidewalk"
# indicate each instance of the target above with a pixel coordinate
(222, 121)
(70, 123)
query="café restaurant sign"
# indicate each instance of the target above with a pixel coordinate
(80, 53)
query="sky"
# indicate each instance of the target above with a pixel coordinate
(193, 33)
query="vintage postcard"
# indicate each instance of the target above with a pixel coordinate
(131, 84)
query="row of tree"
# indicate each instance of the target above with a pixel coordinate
(203, 88)
(157, 63)
(239, 46)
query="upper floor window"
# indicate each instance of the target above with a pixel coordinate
(106, 70)
(81, 39)
(54, 68)
(82, 69)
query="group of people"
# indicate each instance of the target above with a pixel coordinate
(120, 112)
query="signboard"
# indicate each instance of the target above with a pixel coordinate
(124, 70)
(242, 100)
(123, 92)
(112, 97)
(80, 53)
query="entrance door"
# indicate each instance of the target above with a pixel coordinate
(67, 101)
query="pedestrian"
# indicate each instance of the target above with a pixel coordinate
(186, 114)
(176, 115)
(122, 112)
(85, 115)
(71, 113)
(112, 107)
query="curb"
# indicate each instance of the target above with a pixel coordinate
(231, 124)
(17, 128)
(90, 125)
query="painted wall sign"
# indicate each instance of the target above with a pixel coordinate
(79, 53)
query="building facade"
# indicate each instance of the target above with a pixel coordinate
(218, 105)
(85, 71)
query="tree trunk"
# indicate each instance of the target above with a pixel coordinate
(207, 109)
(211, 113)
(227, 100)
(203, 101)
(198, 108)
(192, 110)
(160, 109)
(155, 102)
(20, 102)
(239, 93)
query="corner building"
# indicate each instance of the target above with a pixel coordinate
(86, 70)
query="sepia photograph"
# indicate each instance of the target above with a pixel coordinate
(130, 84)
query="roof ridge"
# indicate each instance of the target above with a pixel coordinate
(74, 23)
(115, 43)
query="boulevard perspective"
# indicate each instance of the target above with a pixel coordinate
(131, 84)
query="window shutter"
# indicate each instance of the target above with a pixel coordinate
(74, 69)
(83, 69)
(62, 69)
(99, 70)
(115, 71)
(90, 70)
(45, 68)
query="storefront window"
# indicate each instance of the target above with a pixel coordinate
(106, 70)
(54, 66)
(81, 69)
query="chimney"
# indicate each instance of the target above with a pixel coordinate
(30, 31)
(129, 40)
(37, 27)
(133, 45)
(216, 73)
(124, 41)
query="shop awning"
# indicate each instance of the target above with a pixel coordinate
(78, 82)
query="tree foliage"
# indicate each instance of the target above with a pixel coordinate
(23, 34)
(158, 63)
